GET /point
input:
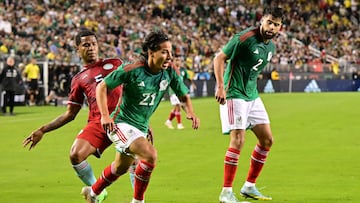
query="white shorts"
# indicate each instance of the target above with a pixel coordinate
(123, 135)
(174, 100)
(241, 114)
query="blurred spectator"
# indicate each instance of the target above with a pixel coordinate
(10, 79)
(46, 32)
(275, 74)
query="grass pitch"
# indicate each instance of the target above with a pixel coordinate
(314, 157)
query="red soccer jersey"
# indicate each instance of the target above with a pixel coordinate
(83, 85)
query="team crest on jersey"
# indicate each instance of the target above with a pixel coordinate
(269, 56)
(108, 66)
(163, 85)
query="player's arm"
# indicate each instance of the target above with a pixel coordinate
(36, 136)
(101, 99)
(219, 67)
(190, 111)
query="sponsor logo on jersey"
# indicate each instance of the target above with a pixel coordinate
(108, 66)
(163, 85)
(141, 84)
(256, 51)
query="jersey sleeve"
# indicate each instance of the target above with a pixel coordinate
(233, 47)
(116, 77)
(177, 85)
(76, 95)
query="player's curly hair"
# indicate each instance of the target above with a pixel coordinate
(152, 41)
(276, 12)
(83, 33)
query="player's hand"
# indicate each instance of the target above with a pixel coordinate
(220, 96)
(195, 120)
(107, 123)
(33, 138)
(150, 136)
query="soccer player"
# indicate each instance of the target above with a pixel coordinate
(92, 139)
(174, 100)
(145, 83)
(246, 54)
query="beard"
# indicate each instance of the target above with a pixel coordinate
(268, 34)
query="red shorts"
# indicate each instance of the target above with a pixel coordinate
(96, 136)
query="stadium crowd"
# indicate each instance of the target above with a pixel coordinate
(45, 29)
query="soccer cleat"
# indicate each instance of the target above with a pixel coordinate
(169, 124)
(86, 192)
(228, 197)
(180, 126)
(103, 195)
(137, 201)
(252, 192)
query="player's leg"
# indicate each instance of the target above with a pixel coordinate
(91, 140)
(173, 101)
(177, 109)
(109, 175)
(80, 150)
(147, 155)
(259, 119)
(150, 138)
(236, 109)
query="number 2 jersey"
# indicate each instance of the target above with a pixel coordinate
(248, 56)
(83, 86)
(142, 92)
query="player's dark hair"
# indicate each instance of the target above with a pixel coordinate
(83, 33)
(276, 12)
(152, 41)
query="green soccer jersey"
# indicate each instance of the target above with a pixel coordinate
(142, 92)
(248, 55)
(183, 75)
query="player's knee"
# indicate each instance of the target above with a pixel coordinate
(267, 142)
(76, 157)
(151, 156)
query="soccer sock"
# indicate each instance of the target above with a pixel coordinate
(230, 166)
(257, 162)
(142, 177)
(178, 116)
(107, 178)
(172, 115)
(85, 172)
(132, 173)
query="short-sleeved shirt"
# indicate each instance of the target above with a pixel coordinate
(83, 87)
(248, 56)
(32, 71)
(182, 72)
(142, 92)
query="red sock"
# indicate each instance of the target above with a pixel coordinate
(257, 162)
(142, 177)
(178, 116)
(172, 115)
(107, 177)
(230, 166)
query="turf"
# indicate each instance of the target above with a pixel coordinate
(314, 157)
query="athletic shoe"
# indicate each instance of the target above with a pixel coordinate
(252, 192)
(169, 124)
(86, 192)
(137, 201)
(103, 195)
(180, 126)
(228, 197)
